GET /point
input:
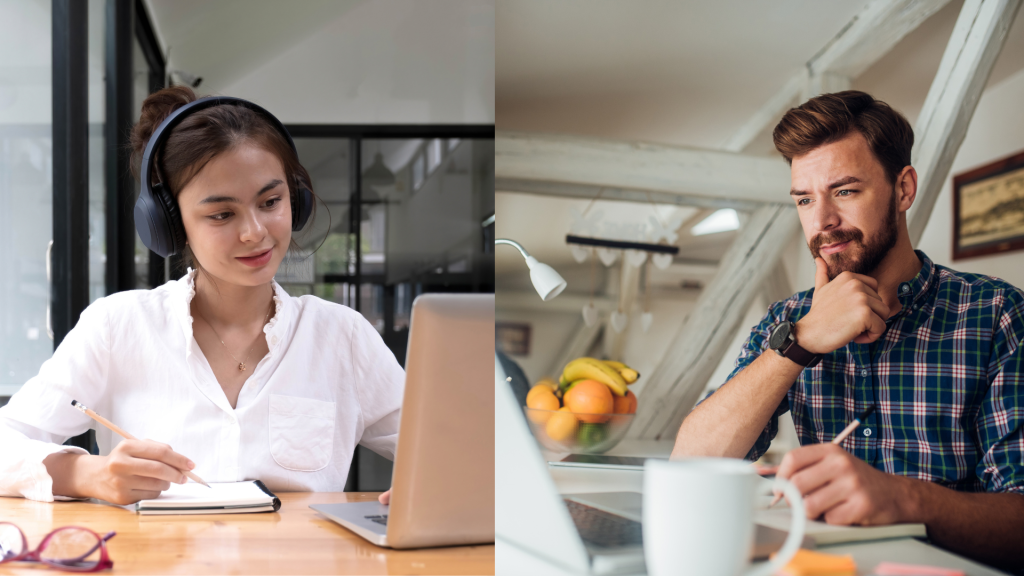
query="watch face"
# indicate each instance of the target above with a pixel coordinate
(778, 336)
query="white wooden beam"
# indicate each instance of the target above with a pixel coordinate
(776, 285)
(590, 191)
(695, 351)
(581, 342)
(976, 41)
(824, 83)
(871, 34)
(769, 114)
(638, 166)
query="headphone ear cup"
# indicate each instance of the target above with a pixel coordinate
(175, 227)
(302, 206)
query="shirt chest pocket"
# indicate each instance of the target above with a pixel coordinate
(301, 432)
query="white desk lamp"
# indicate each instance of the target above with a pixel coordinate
(546, 281)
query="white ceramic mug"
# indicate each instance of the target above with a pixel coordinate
(698, 518)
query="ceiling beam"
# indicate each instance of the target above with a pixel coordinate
(768, 114)
(708, 174)
(870, 35)
(699, 344)
(976, 41)
(590, 191)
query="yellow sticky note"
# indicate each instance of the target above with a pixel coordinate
(810, 563)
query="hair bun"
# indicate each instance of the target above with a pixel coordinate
(155, 109)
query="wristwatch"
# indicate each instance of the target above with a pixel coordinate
(782, 341)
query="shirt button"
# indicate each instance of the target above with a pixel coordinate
(867, 432)
(864, 372)
(905, 288)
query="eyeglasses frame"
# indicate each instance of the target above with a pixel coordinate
(104, 563)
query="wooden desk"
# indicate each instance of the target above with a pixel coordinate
(295, 540)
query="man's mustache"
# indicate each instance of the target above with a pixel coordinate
(833, 237)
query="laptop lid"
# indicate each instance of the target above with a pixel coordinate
(443, 480)
(529, 512)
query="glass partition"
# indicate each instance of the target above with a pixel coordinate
(26, 189)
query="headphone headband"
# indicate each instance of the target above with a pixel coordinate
(157, 218)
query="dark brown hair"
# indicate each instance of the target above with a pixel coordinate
(200, 137)
(830, 117)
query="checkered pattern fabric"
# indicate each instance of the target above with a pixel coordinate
(946, 377)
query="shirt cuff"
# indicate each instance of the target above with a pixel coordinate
(32, 480)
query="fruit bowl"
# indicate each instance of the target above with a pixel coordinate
(563, 431)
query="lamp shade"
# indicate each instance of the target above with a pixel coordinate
(546, 281)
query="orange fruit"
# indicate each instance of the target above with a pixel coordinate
(589, 400)
(541, 397)
(625, 404)
(561, 425)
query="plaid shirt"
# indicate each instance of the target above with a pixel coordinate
(946, 377)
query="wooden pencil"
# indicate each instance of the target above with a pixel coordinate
(117, 429)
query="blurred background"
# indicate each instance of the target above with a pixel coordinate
(391, 105)
(659, 116)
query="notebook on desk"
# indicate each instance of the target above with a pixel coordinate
(825, 534)
(219, 498)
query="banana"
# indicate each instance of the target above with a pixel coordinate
(564, 388)
(627, 373)
(592, 369)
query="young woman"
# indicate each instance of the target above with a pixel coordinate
(222, 371)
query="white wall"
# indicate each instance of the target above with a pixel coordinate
(386, 61)
(996, 131)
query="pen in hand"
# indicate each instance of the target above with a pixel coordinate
(838, 439)
(116, 429)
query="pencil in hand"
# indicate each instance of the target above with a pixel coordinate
(117, 430)
(838, 439)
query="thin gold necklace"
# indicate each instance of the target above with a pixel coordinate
(241, 364)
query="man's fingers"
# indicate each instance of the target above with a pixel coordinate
(149, 450)
(825, 497)
(820, 274)
(877, 306)
(800, 458)
(871, 282)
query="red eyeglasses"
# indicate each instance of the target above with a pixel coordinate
(70, 548)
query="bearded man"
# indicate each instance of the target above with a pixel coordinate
(935, 351)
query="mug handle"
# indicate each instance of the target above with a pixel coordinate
(797, 525)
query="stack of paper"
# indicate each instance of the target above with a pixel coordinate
(810, 563)
(219, 498)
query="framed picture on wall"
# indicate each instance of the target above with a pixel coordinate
(512, 338)
(988, 209)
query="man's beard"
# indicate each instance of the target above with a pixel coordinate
(871, 253)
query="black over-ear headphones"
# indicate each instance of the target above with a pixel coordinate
(157, 218)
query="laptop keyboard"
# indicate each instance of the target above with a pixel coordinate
(382, 519)
(604, 529)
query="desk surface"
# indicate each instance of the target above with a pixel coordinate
(295, 540)
(580, 480)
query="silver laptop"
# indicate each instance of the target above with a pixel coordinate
(597, 533)
(443, 480)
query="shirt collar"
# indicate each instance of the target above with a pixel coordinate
(274, 330)
(911, 292)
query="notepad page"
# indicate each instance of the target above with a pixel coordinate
(191, 495)
(824, 534)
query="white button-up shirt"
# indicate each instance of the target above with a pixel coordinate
(327, 384)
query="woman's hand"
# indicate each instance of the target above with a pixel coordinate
(385, 498)
(135, 470)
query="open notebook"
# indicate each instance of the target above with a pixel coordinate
(219, 498)
(825, 534)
